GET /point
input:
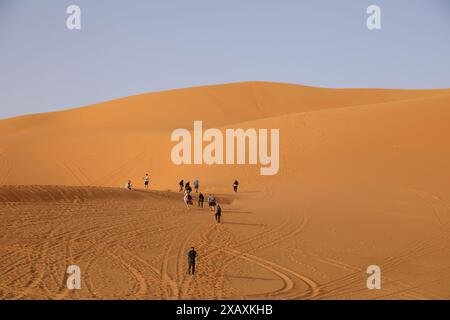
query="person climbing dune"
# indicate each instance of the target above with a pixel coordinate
(211, 202)
(235, 185)
(196, 185)
(188, 187)
(181, 184)
(201, 199)
(187, 199)
(146, 181)
(218, 213)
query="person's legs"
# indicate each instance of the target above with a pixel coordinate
(193, 268)
(189, 267)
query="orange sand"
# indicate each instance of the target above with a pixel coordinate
(364, 179)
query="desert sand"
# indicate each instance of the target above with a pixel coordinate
(364, 179)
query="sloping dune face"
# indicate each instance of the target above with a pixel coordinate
(109, 143)
(363, 180)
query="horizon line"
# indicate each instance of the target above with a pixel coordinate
(63, 109)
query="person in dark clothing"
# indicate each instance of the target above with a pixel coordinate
(192, 254)
(218, 213)
(201, 199)
(235, 185)
(188, 187)
(181, 185)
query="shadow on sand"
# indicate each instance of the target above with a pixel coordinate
(253, 278)
(245, 224)
(236, 211)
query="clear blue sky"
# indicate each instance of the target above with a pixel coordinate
(130, 47)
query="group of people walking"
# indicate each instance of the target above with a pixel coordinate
(213, 206)
(183, 186)
(188, 200)
(212, 203)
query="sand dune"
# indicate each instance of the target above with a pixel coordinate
(109, 143)
(363, 180)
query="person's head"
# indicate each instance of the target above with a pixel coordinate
(192, 248)
(146, 174)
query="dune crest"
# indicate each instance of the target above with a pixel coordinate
(108, 143)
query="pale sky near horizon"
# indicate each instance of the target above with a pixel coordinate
(131, 47)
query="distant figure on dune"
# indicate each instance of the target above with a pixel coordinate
(218, 213)
(211, 202)
(187, 187)
(129, 185)
(192, 254)
(146, 180)
(187, 199)
(181, 185)
(235, 185)
(201, 199)
(196, 185)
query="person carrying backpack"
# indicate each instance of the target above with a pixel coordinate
(187, 199)
(212, 202)
(235, 185)
(196, 185)
(187, 187)
(181, 185)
